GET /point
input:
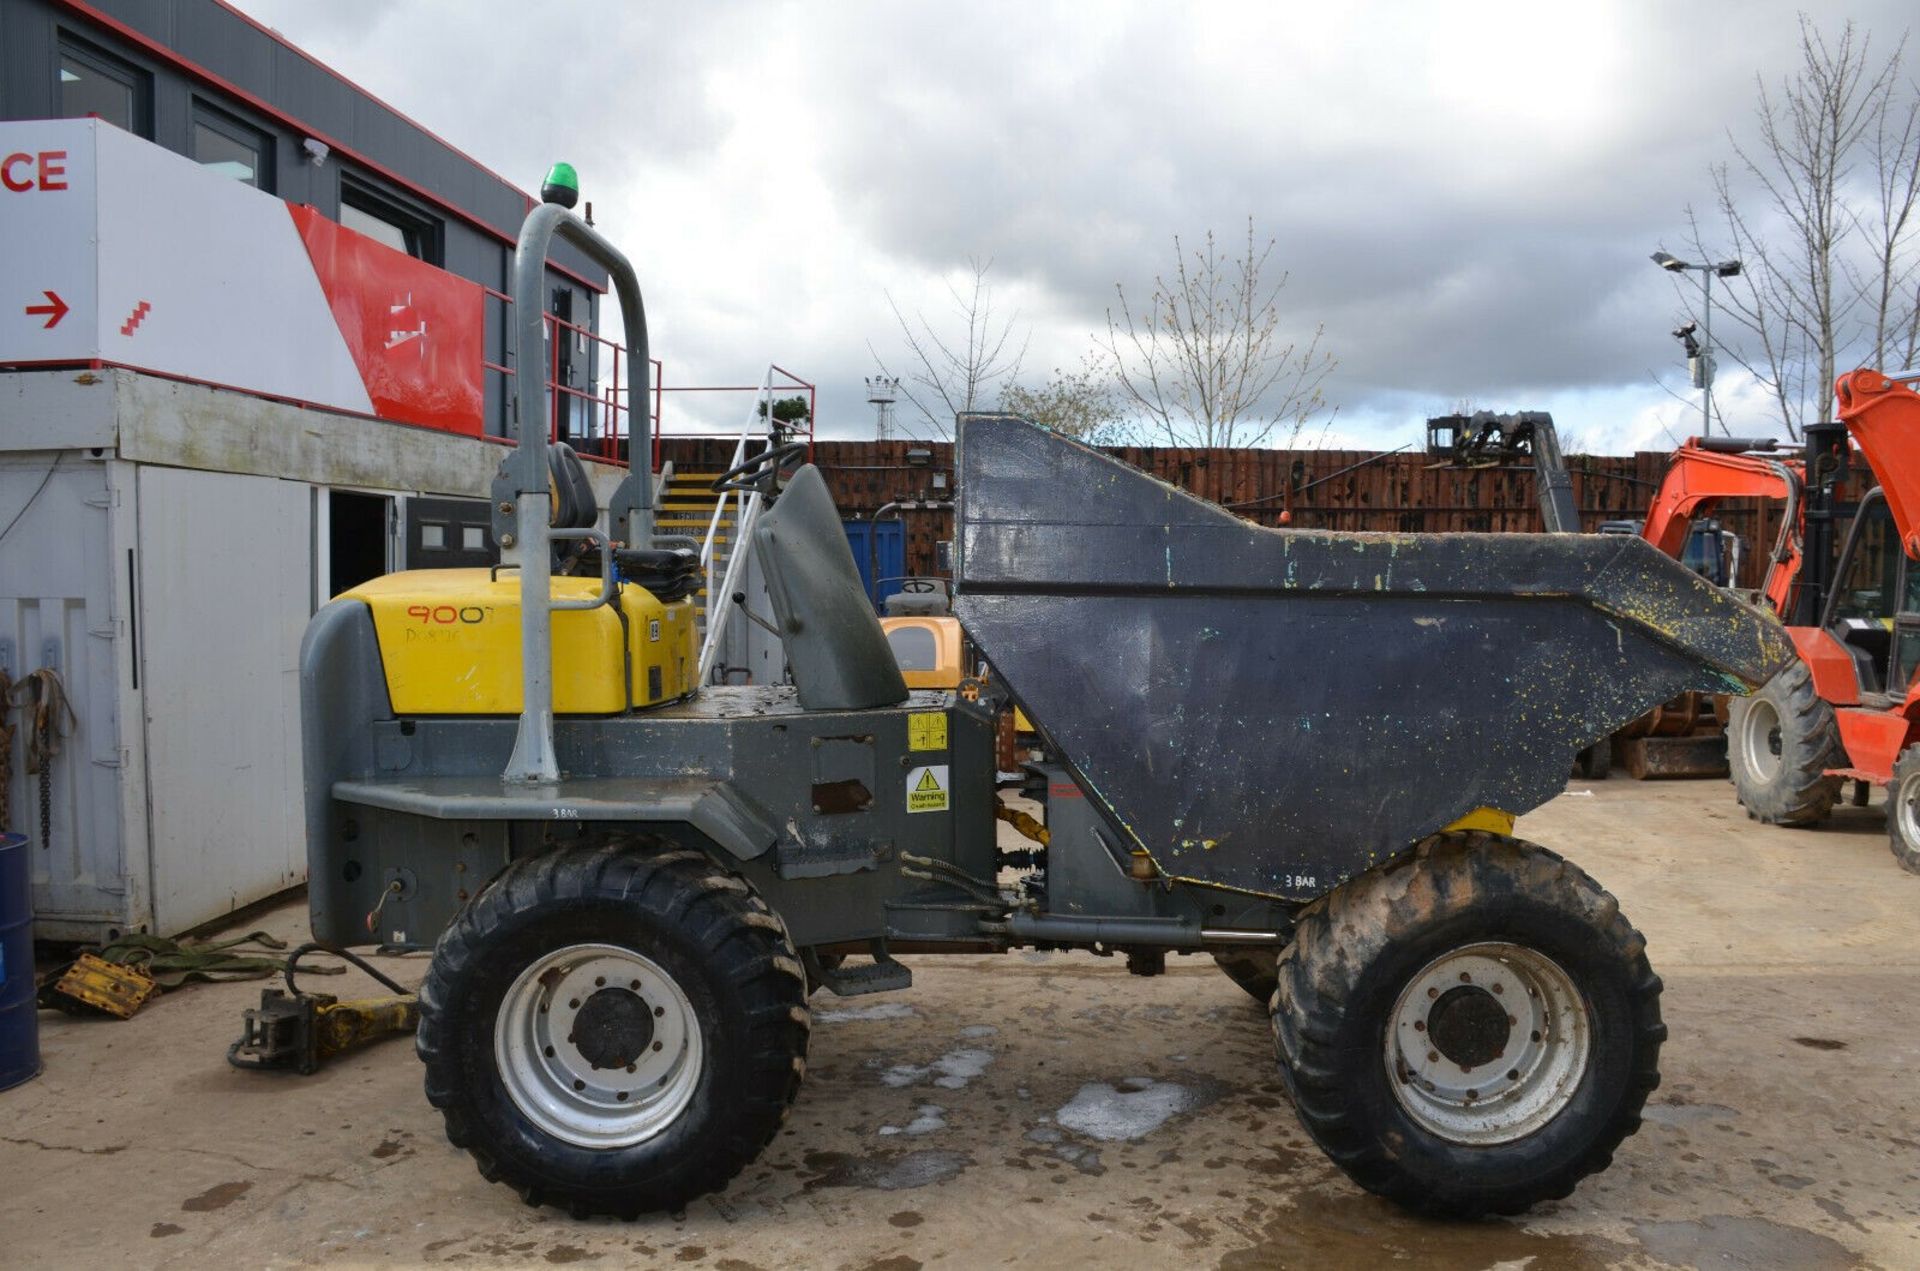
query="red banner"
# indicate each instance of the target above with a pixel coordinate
(416, 332)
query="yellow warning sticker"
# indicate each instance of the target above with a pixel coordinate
(927, 788)
(927, 731)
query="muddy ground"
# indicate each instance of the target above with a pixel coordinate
(1052, 1110)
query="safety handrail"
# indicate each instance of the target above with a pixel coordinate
(760, 427)
(749, 432)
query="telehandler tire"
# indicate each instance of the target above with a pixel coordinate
(1469, 1029)
(1252, 970)
(614, 1029)
(1780, 743)
(1903, 810)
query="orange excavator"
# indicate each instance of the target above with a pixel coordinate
(1686, 737)
(1849, 708)
(1706, 470)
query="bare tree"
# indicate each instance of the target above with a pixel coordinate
(962, 371)
(1893, 284)
(1077, 403)
(1204, 359)
(1822, 210)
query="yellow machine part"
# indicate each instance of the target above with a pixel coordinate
(934, 659)
(342, 1025)
(928, 649)
(112, 987)
(450, 639)
(1486, 819)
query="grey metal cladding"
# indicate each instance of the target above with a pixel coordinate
(1278, 710)
(253, 60)
(838, 654)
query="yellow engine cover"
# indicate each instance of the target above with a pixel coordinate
(450, 639)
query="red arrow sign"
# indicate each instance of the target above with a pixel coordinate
(55, 311)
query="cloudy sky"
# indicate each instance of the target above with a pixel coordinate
(1465, 195)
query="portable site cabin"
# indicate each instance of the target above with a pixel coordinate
(219, 405)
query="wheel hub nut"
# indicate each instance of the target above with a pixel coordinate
(614, 1028)
(1468, 1026)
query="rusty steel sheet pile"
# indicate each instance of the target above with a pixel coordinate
(1278, 710)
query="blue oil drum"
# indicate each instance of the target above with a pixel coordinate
(19, 1027)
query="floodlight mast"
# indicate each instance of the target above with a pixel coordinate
(1704, 359)
(882, 391)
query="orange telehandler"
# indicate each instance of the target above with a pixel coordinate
(1849, 707)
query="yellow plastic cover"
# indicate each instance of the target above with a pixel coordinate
(450, 639)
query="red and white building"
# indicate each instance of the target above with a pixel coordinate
(251, 353)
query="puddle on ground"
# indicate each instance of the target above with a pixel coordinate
(1356, 1230)
(928, 1117)
(875, 1010)
(1681, 1114)
(1133, 1109)
(955, 1069)
(885, 1171)
(216, 1197)
(1723, 1240)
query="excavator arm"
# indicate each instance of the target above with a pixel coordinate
(1704, 471)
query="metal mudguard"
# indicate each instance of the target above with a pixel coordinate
(1277, 710)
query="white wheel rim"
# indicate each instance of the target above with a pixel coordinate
(570, 1084)
(1760, 738)
(1466, 1074)
(1906, 807)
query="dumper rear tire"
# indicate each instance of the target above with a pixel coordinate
(1780, 743)
(614, 1029)
(1470, 1029)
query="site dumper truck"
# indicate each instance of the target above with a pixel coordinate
(1298, 752)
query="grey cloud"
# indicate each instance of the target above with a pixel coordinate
(1450, 238)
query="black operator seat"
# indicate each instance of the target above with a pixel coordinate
(836, 650)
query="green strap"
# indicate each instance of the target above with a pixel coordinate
(175, 962)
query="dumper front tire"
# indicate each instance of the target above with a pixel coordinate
(1780, 743)
(614, 1029)
(1470, 1029)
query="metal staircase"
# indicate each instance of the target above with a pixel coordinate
(689, 506)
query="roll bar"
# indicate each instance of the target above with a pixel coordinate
(533, 755)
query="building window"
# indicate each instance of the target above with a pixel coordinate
(388, 220)
(94, 82)
(232, 148)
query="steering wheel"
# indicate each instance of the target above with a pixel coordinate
(755, 472)
(920, 586)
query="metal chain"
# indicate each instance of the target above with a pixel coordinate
(46, 805)
(49, 718)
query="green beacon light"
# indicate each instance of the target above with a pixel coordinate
(562, 185)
